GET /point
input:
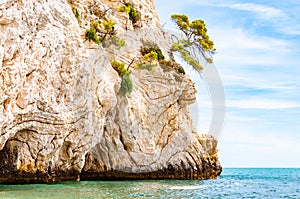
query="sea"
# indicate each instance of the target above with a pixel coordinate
(232, 183)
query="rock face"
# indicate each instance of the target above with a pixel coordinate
(61, 117)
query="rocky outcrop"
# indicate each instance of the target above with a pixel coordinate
(61, 117)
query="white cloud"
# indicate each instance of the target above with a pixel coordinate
(247, 82)
(282, 21)
(240, 148)
(238, 118)
(289, 30)
(264, 12)
(264, 104)
(261, 11)
(246, 58)
(239, 46)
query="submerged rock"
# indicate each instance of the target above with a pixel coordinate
(61, 117)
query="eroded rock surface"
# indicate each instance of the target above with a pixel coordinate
(61, 117)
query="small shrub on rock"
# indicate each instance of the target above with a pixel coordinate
(149, 47)
(119, 67)
(126, 85)
(91, 35)
(134, 15)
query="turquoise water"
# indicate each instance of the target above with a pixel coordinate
(233, 183)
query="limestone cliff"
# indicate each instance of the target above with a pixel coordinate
(61, 117)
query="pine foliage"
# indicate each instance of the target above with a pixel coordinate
(196, 34)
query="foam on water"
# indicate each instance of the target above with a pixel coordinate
(187, 187)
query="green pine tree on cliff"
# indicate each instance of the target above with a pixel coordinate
(196, 41)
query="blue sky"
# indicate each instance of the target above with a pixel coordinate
(258, 58)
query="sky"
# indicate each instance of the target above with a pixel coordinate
(258, 59)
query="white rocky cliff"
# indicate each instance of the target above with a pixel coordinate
(61, 114)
